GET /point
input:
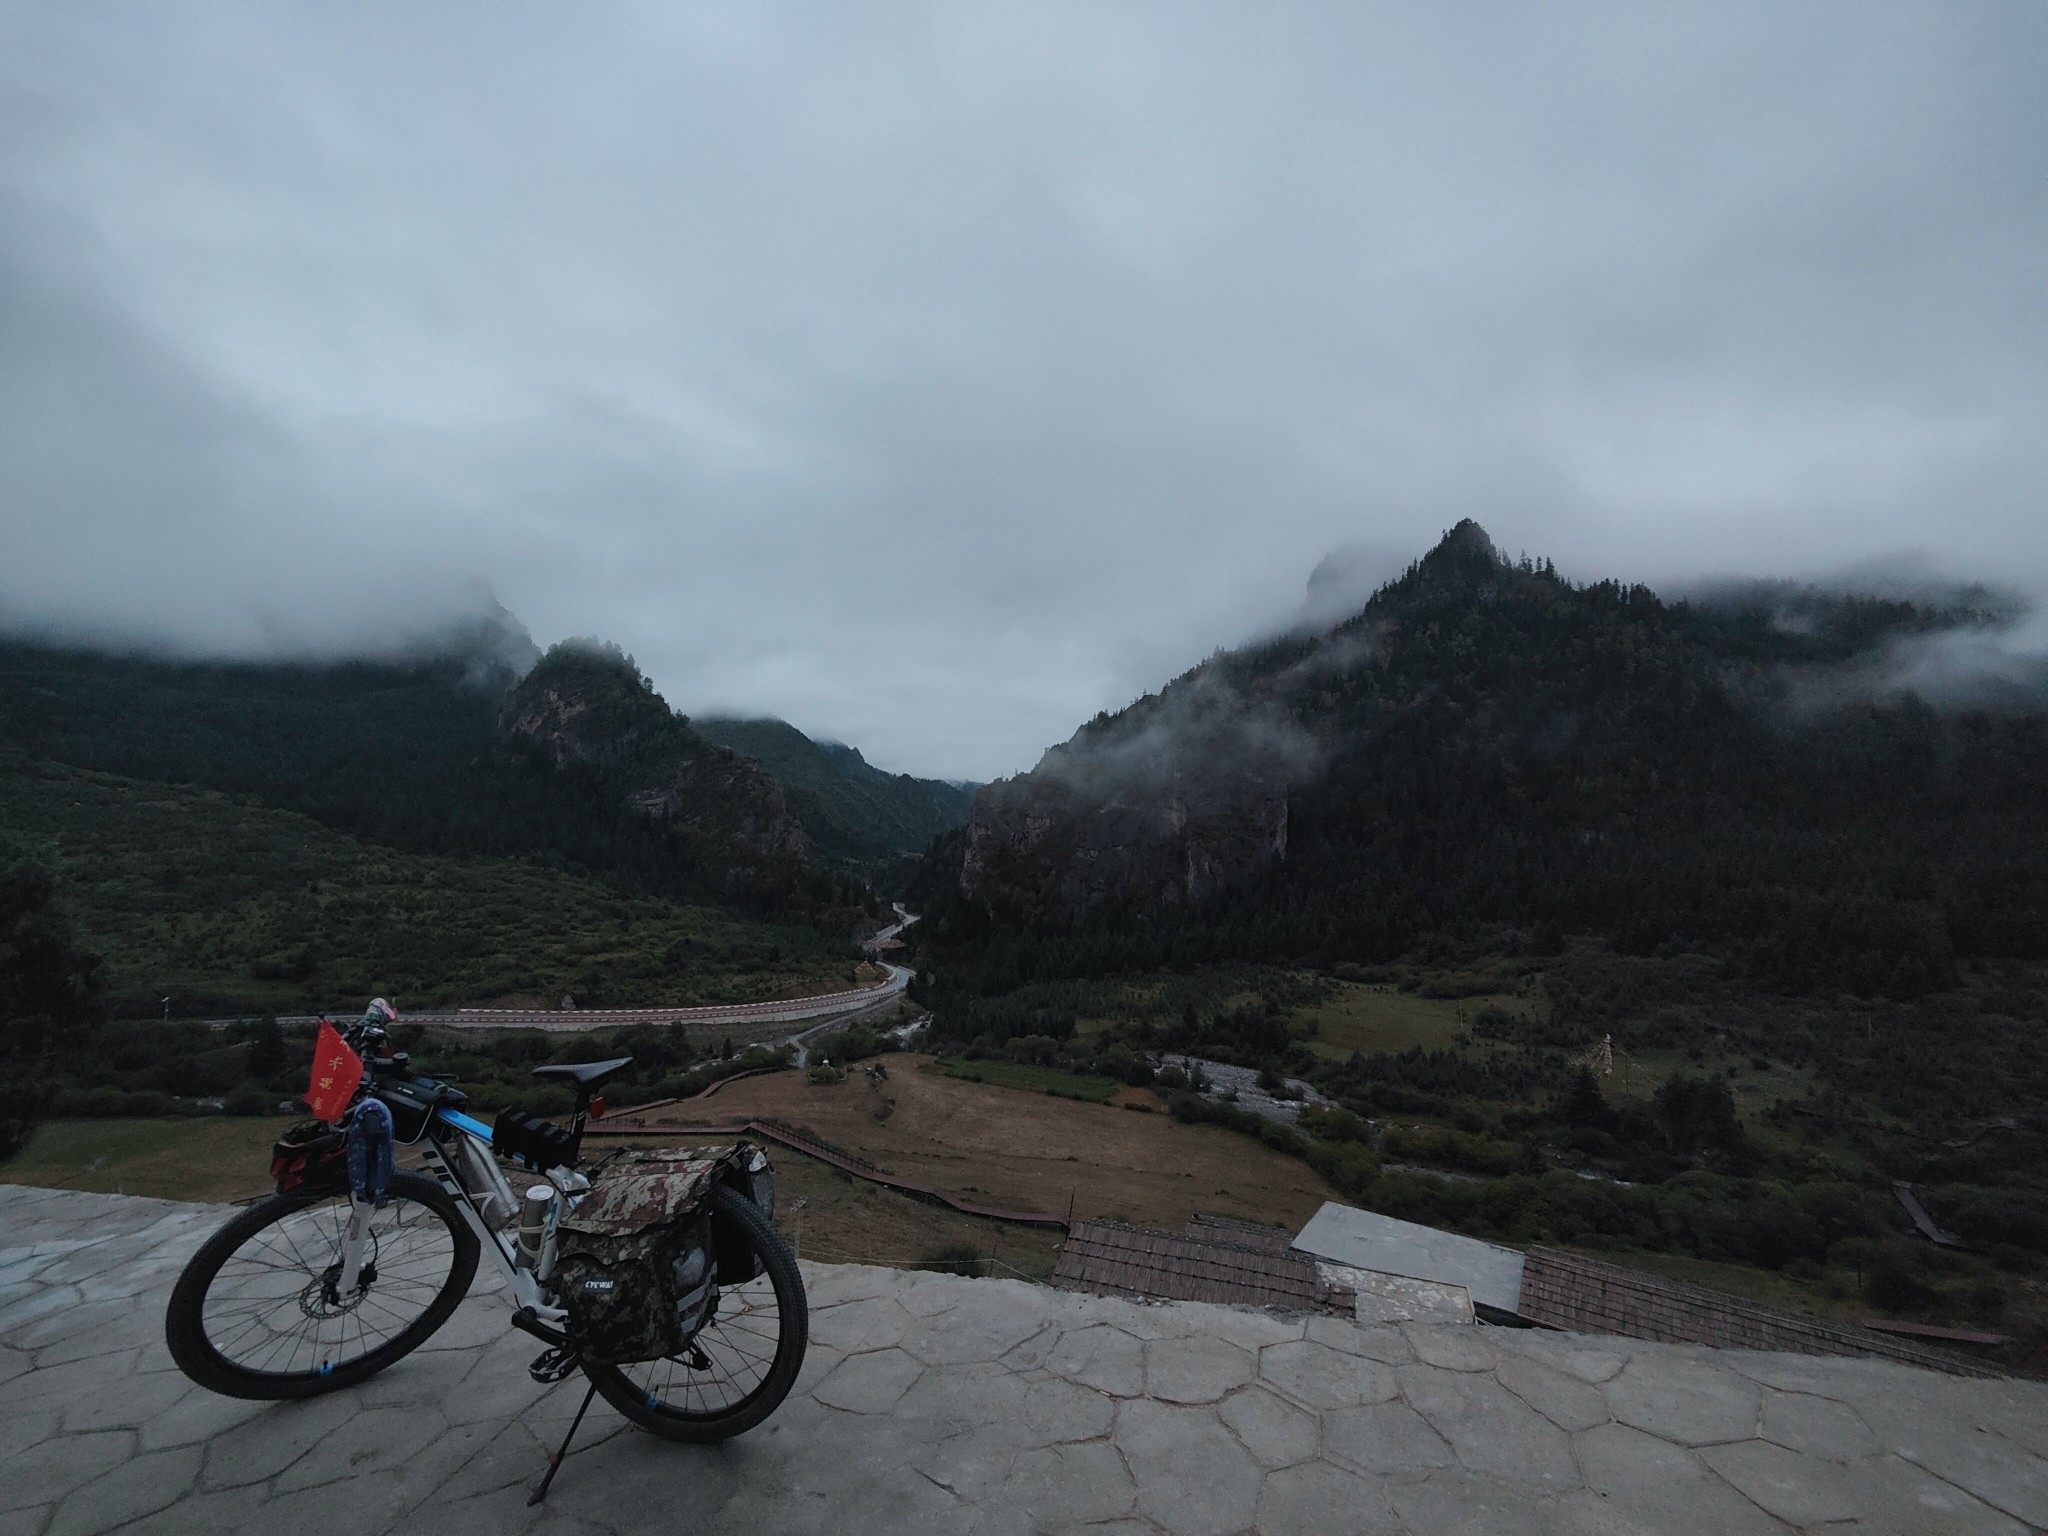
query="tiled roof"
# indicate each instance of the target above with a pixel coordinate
(1108, 1257)
(1241, 1234)
(1566, 1290)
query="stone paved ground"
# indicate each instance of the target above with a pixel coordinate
(931, 1403)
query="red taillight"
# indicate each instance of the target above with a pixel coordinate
(597, 1107)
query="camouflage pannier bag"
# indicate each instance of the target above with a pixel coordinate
(637, 1263)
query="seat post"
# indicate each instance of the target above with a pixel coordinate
(581, 1116)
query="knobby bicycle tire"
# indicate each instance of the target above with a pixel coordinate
(274, 1328)
(699, 1407)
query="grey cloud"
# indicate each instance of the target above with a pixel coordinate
(937, 376)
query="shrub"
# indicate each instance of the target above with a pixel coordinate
(249, 1100)
(1333, 1124)
(955, 1259)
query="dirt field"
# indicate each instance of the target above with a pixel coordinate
(1030, 1151)
(1000, 1146)
(839, 1219)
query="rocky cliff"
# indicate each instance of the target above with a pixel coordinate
(1196, 789)
(586, 709)
(1078, 834)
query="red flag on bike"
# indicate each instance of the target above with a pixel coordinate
(336, 1071)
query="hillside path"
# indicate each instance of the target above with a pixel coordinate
(931, 1403)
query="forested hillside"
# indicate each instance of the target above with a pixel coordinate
(233, 908)
(459, 826)
(420, 756)
(1488, 745)
(466, 826)
(1679, 928)
(850, 808)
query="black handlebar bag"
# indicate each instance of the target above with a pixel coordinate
(636, 1262)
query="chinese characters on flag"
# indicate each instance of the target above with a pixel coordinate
(336, 1071)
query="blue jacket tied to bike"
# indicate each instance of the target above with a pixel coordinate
(370, 1142)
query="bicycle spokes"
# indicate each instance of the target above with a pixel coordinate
(294, 1299)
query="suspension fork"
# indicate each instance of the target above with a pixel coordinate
(354, 1234)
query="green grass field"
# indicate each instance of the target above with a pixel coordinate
(230, 908)
(1378, 1017)
(1008, 1074)
(215, 1158)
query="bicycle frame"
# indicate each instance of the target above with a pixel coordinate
(523, 1283)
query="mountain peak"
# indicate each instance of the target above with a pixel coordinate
(1467, 545)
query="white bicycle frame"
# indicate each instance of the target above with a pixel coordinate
(522, 1282)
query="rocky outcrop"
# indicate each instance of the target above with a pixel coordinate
(587, 709)
(1166, 805)
(1190, 791)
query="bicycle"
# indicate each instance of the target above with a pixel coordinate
(319, 1287)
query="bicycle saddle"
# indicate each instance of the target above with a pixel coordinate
(585, 1074)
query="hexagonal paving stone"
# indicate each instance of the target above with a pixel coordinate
(1663, 1487)
(1450, 1346)
(1195, 1370)
(1252, 1329)
(1321, 1500)
(828, 1285)
(1193, 1477)
(1814, 1375)
(1277, 1433)
(1814, 1426)
(2018, 1410)
(1385, 1437)
(50, 1470)
(132, 1491)
(1800, 1490)
(1107, 1359)
(1566, 1401)
(128, 1403)
(1591, 1358)
(1981, 1463)
(1319, 1377)
(264, 1446)
(1016, 1410)
(869, 1383)
(1685, 1401)
(1375, 1342)
(993, 1319)
(1054, 1411)
(1069, 1485)
(1900, 1499)
(1491, 1430)
(363, 1443)
(1447, 1502)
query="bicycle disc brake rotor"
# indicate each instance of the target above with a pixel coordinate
(321, 1296)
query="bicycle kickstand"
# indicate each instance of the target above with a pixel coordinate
(555, 1461)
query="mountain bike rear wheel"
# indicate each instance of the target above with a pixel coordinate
(740, 1365)
(258, 1312)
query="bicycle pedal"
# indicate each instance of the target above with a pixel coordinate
(551, 1365)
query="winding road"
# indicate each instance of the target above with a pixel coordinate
(833, 1008)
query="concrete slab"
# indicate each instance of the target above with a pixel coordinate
(1396, 1298)
(1343, 1234)
(975, 1408)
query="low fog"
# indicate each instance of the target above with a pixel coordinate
(937, 376)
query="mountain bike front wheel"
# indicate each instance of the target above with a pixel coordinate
(741, 1364)
(259, 1311)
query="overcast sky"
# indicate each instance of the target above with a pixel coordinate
(934, 377)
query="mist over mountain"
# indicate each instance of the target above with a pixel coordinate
(1829, 786)
(464, 741)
